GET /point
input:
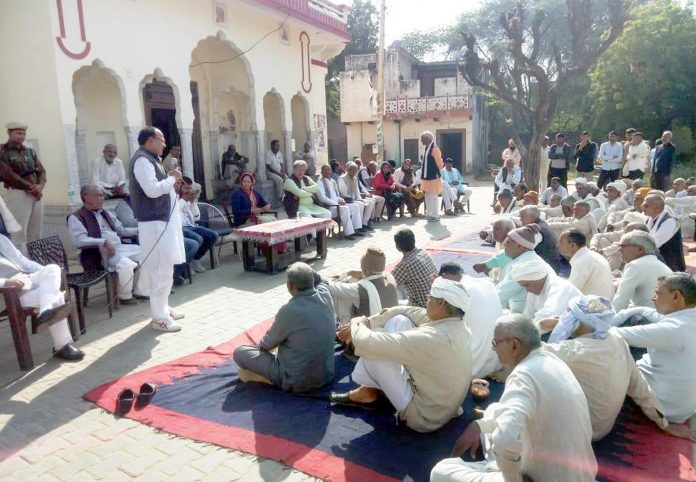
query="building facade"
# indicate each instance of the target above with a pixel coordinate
(209, 73)
(419, 96)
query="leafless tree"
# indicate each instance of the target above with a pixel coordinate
(535, 72)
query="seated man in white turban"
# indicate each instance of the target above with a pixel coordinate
(603, 365)
(539, 430)
(423, 370)
(615, 202)
(373, 291)
(519, 246)
(547, 294)
(670, 339)
(582, 220)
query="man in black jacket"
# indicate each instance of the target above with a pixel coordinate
(665, 158)
(585, 156)
(547, 249)
(559, 155)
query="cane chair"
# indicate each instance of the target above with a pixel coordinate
(50, 250)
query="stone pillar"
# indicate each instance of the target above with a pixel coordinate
(260, 140)
(288, 154)
(185, 135)
(81, 156)
(132, 137)
(214, 141)
(244, 148)
(70, 137)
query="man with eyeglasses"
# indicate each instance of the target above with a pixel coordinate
(153, 199)
(526, 436)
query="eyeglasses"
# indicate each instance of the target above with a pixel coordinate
(495, 341)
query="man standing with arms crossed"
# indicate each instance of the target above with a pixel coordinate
(153, 199)
(24, 177)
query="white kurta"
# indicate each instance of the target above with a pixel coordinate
(590, 273)
(108, 176)
(607, 373)
(669, 366)
(552, 301)
(638, 282)
(540, 428)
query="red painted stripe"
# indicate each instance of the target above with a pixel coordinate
(61, 21)
(319, 63)
(82, 20)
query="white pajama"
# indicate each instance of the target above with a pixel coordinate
(432, 210)
(277, 183)
(449, 195)
(368, 208)
(351, 216)
(456, 470)
(388, 376)
(161, 242)
(45, 294)
(379, 206)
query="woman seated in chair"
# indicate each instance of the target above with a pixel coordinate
(248, 205)
(384, 186)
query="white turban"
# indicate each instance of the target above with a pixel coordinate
(580, 180)
(453, 292)
(532, 270)
(619, 186)
(593, 311)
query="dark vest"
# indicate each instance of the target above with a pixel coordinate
(673, 251)
(146, 208)
(388, 295)
(90, 258)
(430, 170)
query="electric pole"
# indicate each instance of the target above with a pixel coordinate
(380, 85)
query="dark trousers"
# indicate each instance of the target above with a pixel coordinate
(607, 176)
(259, 361)
(205, 237)
(660, 181)
(560, 173)
(190, 248)
(637, 174)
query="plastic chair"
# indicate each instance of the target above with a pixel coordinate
(212, 218)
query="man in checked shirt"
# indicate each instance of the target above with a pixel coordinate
(413, 272)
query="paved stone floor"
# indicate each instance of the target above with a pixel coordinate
(47, 432)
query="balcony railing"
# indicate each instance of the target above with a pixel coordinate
(401, 107)
(320, 13)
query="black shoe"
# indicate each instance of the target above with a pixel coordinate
(358, 233)
(70, 353)
(349, 238)
(369, 227)
(179, 281)
(129, 301)
(54, 315)
(140, 297)
(344, 400)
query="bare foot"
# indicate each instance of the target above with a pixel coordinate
(500, 375)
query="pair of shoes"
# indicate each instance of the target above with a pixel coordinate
(69, 353)
(359, 233)
(54, 315)
(369, 226)
(344, 399)
(129, 301)
(166, 326)
(179, 281)
(138, 296)
(350, 237)
(197, 266)
(449, 212)
(176, 315)
(125, 399)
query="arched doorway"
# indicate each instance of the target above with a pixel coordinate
(101, 114)
(274, 120)
(300, 121)
(223, 106)
(159, 106)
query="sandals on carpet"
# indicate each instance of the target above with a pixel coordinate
(127, 397)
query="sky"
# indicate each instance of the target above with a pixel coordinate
(404, 16)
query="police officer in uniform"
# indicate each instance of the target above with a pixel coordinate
(24, 177)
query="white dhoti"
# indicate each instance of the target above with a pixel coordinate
(44, 294)
(432, 210)
(351, 216)
(277, 182)
(449, 195)
(465, 192)
(124, 265)
(390, 377)
(368, 207)
(456, 470)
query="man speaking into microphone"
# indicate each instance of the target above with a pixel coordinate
(153, 199)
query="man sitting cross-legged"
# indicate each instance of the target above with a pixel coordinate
(423, 370)
(303, 335)
(603, 365)
(39, 287)
(547, 294)
(539, 430)
(414, 270)
(374, 290)
(589, 271)
(668, 366)
(92, 228)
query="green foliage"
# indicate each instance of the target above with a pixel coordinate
(363, 27)
(647, 80)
